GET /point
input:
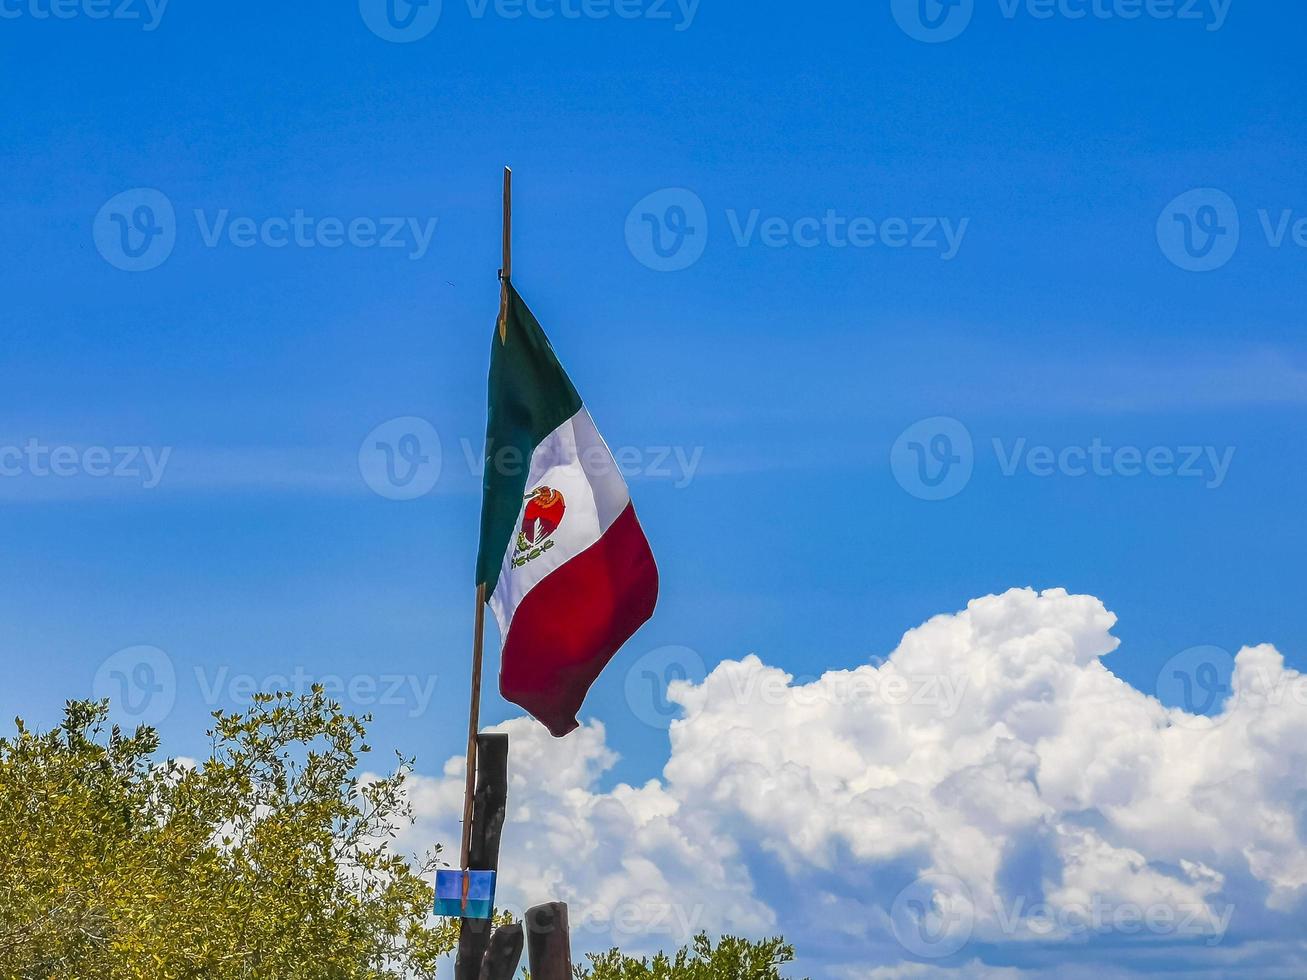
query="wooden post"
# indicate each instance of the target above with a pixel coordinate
(478, 639)
(491, 801)
(485, 796)
(488, 813)
(504, 954)
(549, 947)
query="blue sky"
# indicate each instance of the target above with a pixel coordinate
(761, 391)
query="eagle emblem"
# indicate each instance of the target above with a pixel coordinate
(543, 514)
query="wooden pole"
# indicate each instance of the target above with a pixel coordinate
(488, 814)
(484, 806)
(504, 954)
(474, 716)
(549, 947)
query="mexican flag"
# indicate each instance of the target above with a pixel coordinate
(566, 566)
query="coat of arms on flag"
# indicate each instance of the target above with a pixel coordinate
(544, 512)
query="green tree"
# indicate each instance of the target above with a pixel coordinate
(731, 959)
(271, 859)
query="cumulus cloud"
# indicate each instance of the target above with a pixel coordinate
(988, 800)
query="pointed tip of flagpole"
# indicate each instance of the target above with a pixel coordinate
(506, 269)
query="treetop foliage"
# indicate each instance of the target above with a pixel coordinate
(269, 859)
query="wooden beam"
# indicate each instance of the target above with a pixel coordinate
(504, 955)
(490, 806)
(549, 946)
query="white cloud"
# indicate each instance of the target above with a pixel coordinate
(991, 791)
(974, 970)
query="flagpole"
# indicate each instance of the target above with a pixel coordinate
(474, 725)
(478, 636)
